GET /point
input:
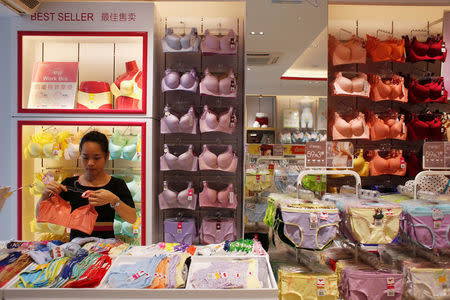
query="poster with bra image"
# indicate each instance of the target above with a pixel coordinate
(340, 154)
(291, 118)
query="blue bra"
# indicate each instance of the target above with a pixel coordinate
(123, 147)
(185, 43)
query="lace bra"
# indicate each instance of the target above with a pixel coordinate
(390, 50)
(185, 162)
(219, 45)
(425, 130)
(388, 89)
(185, 199)
(212, 86)
(226, 198)
(395, 165)
(186, 82)
(432, 91)
(388, 128)
(226, 161)
(356, 86)
(355, 129)
(432, 49)
(172, 124)
(185, 43)
(349, 52)
(225, 123)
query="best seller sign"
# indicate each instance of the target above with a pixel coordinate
(83, 16)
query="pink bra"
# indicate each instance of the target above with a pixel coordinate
(186, 124)
(355, 129)
(209, 122)
(226, 161)
(226, 198)
(185, 199)
(212, 86)
(355, 86)
(219, 45)
(185, 162)
(173, 81)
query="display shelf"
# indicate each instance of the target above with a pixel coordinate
(260, 129)
(49, 83)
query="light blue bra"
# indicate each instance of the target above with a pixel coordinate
(123, 147)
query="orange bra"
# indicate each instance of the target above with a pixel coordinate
(388, 128)
(356, 86)
(393, 166)
(392, 89)
(390, 50)
(349, 52)
(355, 129)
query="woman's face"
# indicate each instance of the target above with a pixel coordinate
(93, 158)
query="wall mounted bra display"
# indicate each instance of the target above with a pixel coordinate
(82, 72)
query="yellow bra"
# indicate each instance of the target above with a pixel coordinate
(360, 165)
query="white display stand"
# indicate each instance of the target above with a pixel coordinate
(426, 173)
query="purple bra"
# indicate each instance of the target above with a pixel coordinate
(172, 124)
(225, 123)
(226, 161)
(219, 45)
(185, 162)
(173, 81)
(226, 198)
(212, 86)
(185, 199)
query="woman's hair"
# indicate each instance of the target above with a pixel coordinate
(96, 137)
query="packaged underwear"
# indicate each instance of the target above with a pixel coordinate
(369, 221)
(257, 181)
(427, 223)
(427, 283)
(370, 284)
(179, 231)
(307, 225)
(298, 285)
(255, 211)
(217, 230)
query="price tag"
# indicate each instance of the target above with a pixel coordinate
(389, 212)
(232, 43)
(232, 85)
(180, 227)
(218, 227)
(443, 49)
(390, 289)
(323, 215)
(402, 163)
(313, 221)
(321, 292)
(437, 224)
(190, 194)
(318, 178)
(231, 197)
(320, 282)
(258, 177)
(233, 121)
(437, 214)
(191, 121)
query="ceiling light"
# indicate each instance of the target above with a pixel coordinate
(252, 33)
(248, 69)
(261, 32)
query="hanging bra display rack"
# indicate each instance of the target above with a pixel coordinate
(200, 130)
(354, 96)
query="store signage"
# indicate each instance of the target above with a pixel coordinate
(294, 150)
(436, 155)
(83, 16)
(329, 155)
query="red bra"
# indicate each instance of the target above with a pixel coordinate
(433, 91)
(432, 49)
(387, 128)
(395, 165)
(425, 130)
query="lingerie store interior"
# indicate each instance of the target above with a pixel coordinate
(242, 149)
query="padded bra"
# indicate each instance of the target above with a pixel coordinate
(226, 198)
(360, 165)
(349, 52)
(185, 162)
(390, 50)
(219, 45)
(392, 89)
(425, 130)
(393, 166)
(186, 124)
(355, 129)
(186, 82)
(170, 199)
(226, 161)
(212, 86)
(431, 49)
(356, 86)
(209, 121)
(388, 128)
(185, 43)
(433, 91)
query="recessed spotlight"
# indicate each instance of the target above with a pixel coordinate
(252, 33)
(261, 32)
(248, 69)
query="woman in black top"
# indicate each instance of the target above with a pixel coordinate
(109, 194)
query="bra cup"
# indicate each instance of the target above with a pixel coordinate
(384, 89)
(172, 80)
(435, 49)
(185, 41)
(211, 83)
(397, 50)
(357, 126)
(419, 47)
(436, 90)
(380, 130)
(211, 42)
(211, 121)
(115, 151)
(187, 80)
(396, 129)
(186, 160)
(208, 160)
(48, 149)
(224, 121)
(171, 161)
(182, 198)
(378, 165)
(167, 199)
(345, 84)
(342, 53)
(173, 41)
(358, 163)
(208, 196)
(358, 84)
(420, 91)
(343, 127)
(187, 123)
(225, 86)
(224, 160)
(170, 124)
(129, 151)
(225, 42)
(357, 51)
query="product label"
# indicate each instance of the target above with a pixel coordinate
(180, 227)
(313, 220)
(321, 292)
(218, 227)
(323, 215)
(320, 282)
(190, 194)
(231, 197)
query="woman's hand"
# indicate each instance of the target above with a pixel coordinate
(101, 197)
(54, 188)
